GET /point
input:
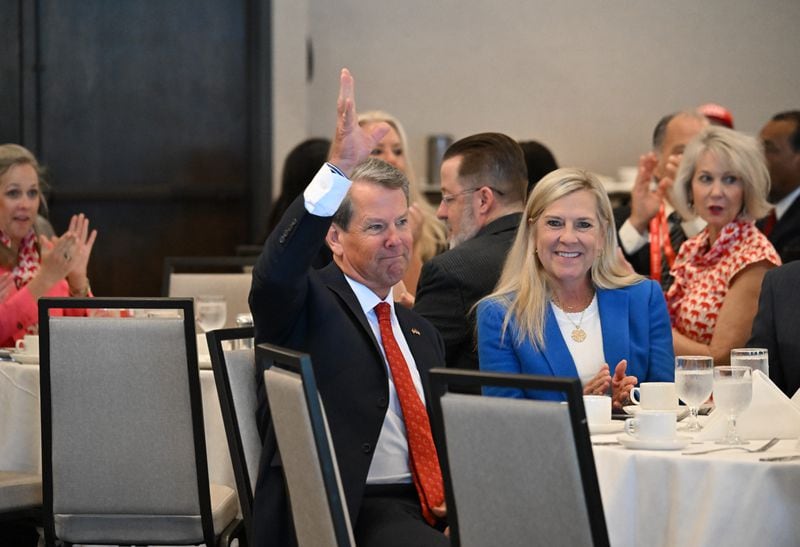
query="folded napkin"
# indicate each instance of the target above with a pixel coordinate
(770, 414)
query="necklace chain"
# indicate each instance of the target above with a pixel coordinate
(578, 334)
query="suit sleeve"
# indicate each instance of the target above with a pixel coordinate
(662, 355)
(496, 354)
(764, 331)
(440, 300)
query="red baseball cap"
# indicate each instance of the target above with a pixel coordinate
(717, 114)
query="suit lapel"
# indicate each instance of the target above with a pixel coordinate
(333, 277)
(614, 310)
(557, 354)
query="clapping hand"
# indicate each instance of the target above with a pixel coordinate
(645, 201)
(351, 143)
(80, 253)
(620, 384)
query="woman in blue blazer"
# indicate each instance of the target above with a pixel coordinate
(567, 305)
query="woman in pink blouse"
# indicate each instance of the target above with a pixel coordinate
(31, 265)
(722, 179)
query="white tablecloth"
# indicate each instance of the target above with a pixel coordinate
(20, 430)
(664, 498)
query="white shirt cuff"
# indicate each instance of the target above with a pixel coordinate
(326, 191)
(630, 238)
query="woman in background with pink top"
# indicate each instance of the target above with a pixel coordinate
(32, 266)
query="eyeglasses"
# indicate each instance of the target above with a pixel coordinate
(447, 199)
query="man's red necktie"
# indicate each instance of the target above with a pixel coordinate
(769, 222)
(423, 459)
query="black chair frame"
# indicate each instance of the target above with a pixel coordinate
(230, 421)
(442, 379)
(268, 355)
(186, 306)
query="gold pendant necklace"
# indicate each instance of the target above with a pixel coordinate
(577, 334)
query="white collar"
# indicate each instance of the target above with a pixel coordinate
(786, 202)
(367, 299)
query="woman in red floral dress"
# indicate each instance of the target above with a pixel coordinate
(722, 179)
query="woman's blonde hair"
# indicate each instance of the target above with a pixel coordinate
(433, 237)
(524, 287)
(11, 155)
(740, 154)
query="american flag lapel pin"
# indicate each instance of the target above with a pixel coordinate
(415, 331)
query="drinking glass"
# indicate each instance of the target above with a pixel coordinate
(694, 381)
(733, 391)
(755, 358)
(210, 311)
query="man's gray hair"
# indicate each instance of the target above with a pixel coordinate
(372, 171)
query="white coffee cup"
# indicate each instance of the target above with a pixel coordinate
(598, 409)
(28, 344)
(655, 396)
(652, 425)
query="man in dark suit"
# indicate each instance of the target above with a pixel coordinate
(484, 182)
(360, 208)
(775, 325)
(781, 138)
(651, 212)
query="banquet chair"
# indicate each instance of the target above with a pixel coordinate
(123, 442)
(229, 276)
(235, 377)
(516, 470)
(309, 464)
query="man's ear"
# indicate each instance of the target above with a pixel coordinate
(487, 200)
(333, 240)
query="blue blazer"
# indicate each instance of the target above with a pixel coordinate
(635, 326)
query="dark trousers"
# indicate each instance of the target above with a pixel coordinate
(390, 516)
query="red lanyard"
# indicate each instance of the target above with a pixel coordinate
(659, 237)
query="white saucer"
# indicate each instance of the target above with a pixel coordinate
(682, 411)
(26, 358)
(677, 443)
(614, 426)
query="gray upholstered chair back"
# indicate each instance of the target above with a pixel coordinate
(517, 471)
(514, 472)
(235, 287)
(235, 378)
(302, 464)
(241, 372)
(123, 449)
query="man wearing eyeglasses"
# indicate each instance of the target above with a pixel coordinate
(484, 181)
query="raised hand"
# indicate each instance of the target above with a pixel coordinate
(351, 143)
(55, 263)
(645, 201)
(79, 256)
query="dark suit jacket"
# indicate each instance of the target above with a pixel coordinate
(451, 283)
(640, 260)
(785, 236)
(315, 311)
(775, 325)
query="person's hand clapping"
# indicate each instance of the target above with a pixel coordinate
(645, 200)
(621, 385)
(599, 384)
(79, 257)
(351, 143)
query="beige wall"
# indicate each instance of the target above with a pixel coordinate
(589, 78)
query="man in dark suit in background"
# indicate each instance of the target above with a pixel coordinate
(484, 182)
(781, 138)
(343, 315)
(650, 207)
(775, 326)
